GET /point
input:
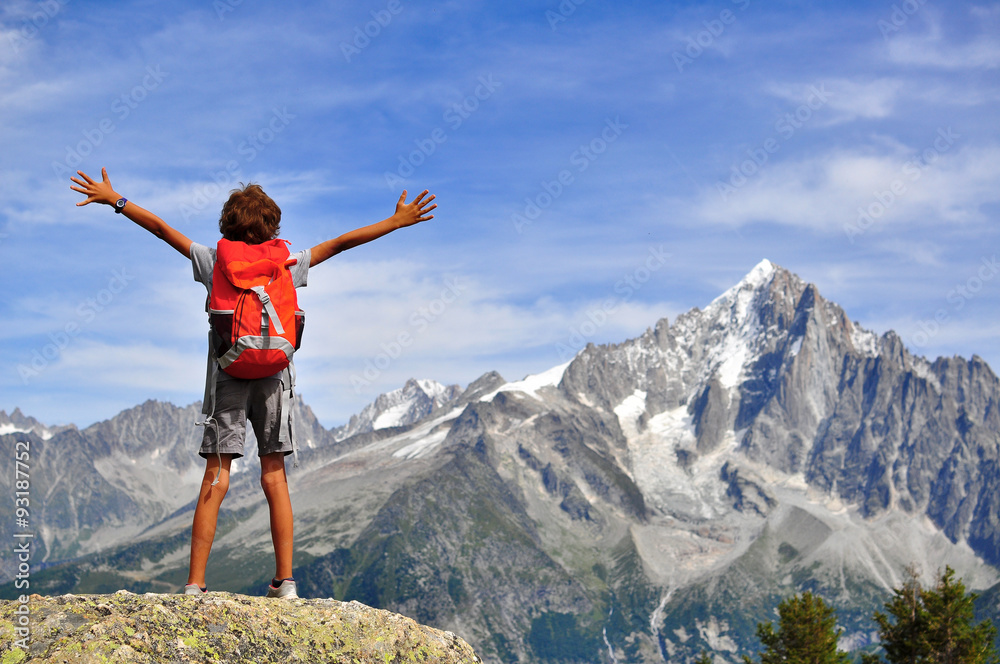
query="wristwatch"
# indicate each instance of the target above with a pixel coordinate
(120, 205)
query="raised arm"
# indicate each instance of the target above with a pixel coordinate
(102, 192)
(407, 214)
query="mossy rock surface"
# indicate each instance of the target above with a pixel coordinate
(220, 627)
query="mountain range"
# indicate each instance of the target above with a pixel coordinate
(643, 502)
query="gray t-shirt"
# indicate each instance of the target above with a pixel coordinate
(203, 264)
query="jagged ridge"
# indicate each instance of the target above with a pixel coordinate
(621, 506)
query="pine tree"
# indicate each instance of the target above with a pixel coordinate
(905, 640)
(807, 634)
(934, 625)
(952, 636)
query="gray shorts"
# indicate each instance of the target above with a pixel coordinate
(236, 401)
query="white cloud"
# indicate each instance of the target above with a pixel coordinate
(128, 367)
(981, 53)
(851, 98)
(932, 48)
(921, 187)
(872, 99)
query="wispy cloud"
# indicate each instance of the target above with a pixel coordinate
(808, 114)
(916, 186)
(929, 45)
(850, 98)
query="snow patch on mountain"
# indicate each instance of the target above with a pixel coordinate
(426, 437)
(865, 341)
(629, 411)
(8, 428)
(531, 385)
(17, 422)
(400, 407)
(658, 453)
(722, 340)
(922, 368)
(757, 278)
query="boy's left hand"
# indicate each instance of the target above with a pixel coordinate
(416, 210)
(96, 192)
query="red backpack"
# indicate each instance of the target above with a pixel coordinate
(253, 310)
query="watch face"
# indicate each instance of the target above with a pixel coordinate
(120, 203)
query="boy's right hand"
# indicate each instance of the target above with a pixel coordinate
(415, 211)
(96, 192)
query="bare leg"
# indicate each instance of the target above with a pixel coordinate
(279, 504)
(206, 515)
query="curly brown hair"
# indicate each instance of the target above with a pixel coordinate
(250, 215)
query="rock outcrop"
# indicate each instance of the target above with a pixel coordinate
(218, 627)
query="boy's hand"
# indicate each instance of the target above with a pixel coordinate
(415, 211)
(96, 192)
(406, 214)
(102, 192)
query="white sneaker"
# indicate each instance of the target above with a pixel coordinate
(194, 589)
(284, 590)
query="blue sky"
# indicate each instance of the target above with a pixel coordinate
(587, 156)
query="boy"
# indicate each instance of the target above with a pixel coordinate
(249, 216)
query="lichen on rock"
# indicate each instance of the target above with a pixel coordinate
(220, 627)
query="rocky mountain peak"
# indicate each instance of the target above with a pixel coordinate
(760, 445)
(400, 407)
(18, 422)
(673, 363)
(771, 375)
